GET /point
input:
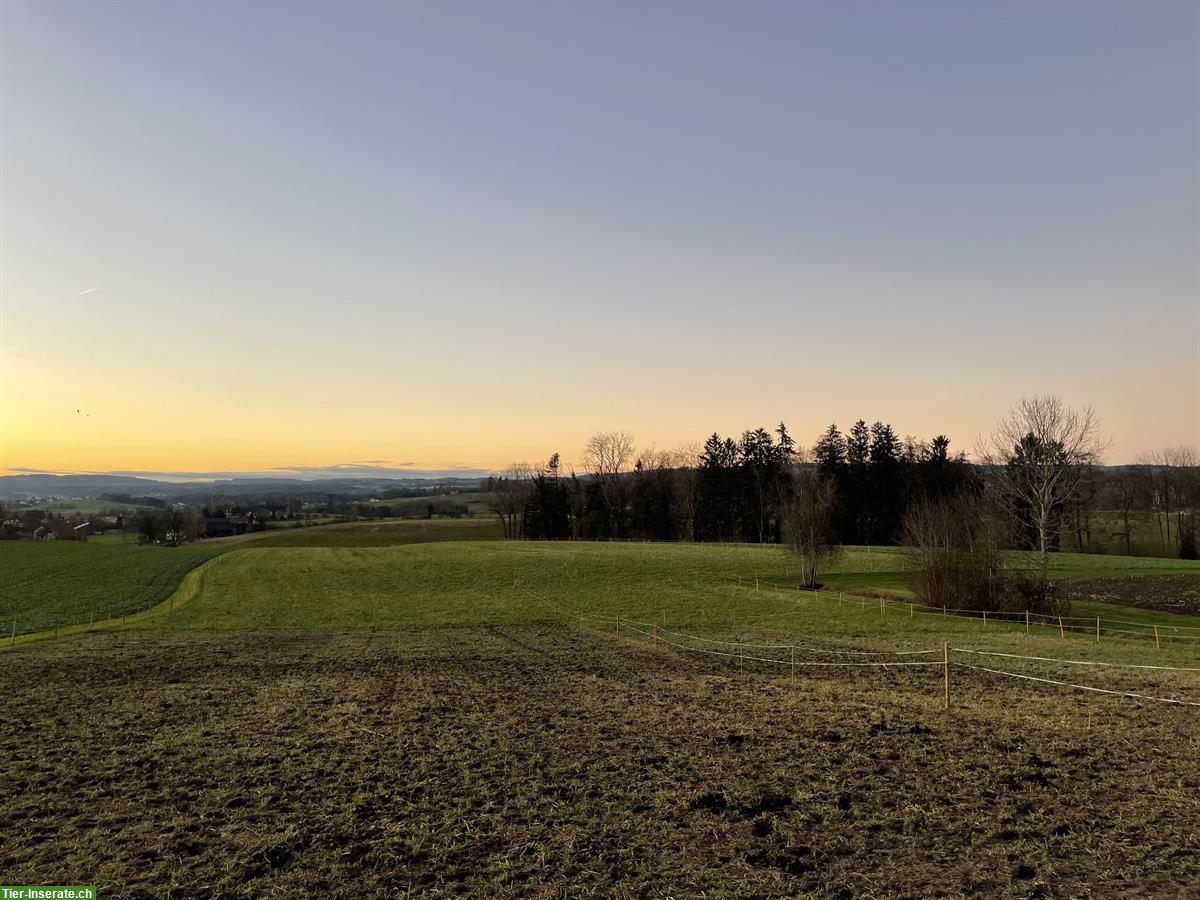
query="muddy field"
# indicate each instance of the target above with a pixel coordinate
(1168, 593)
(539, 761)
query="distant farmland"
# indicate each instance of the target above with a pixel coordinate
(476, 503)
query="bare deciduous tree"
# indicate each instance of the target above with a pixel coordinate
(1034, 460)
(1172, 473)
(806, 502)
(606, 455)
(954, 551)
(1129, 496)
(685, 462)
(510, 496)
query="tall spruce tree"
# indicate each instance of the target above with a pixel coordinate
(759, 468)
(857, 492)
(718, 500)
(886, 487)
(830, 451)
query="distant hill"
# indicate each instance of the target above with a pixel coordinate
(21, 487)
(15, 487)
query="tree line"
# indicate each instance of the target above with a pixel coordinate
(727, 489)
(1035, 484)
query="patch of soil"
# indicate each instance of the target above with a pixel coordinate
(537, 762)
(1168, 593)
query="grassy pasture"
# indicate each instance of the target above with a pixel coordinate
(381, 533)
(49, 583)
(114, 537)
(45, 584)
(87, 507)
(515, 583)
(476, 503)
(399, 715)
(307, 522)
(53, 583)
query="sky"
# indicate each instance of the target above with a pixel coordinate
(236, 237)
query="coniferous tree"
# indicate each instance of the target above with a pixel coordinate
(651, 499)
(857, 493)
(759, 467)
(786, 445)
(858, 445)
(830, 451)
(548, 510)
(885, 497)
(718, 503)
(829, 455)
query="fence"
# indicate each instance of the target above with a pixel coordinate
(750, 651)
(1090, 625)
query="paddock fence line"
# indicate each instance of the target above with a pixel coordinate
(660, 633)
(1092, 626)
(1082, 687)
(656, 635)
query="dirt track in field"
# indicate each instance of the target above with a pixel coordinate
(539, 761)
(1169, 593)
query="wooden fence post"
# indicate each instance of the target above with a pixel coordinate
(910, 610)
(1157, 643)
(1097, 629)
(13, 642)
(1061, 633)
(1026, 623)
(946, 652)
(985, 618)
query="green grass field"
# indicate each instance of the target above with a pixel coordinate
(476, 503)
(516, 583)
(114, 537)
(48, 584)
(61, 583)
(383, 533)
(55, 583)
(87, 507)
(374, 705)
(308, 522)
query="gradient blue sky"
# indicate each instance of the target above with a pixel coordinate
(461, 234)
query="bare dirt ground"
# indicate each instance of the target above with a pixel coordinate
(539, 761)
(1169, 593)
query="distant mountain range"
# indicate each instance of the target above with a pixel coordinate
(352, 480)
